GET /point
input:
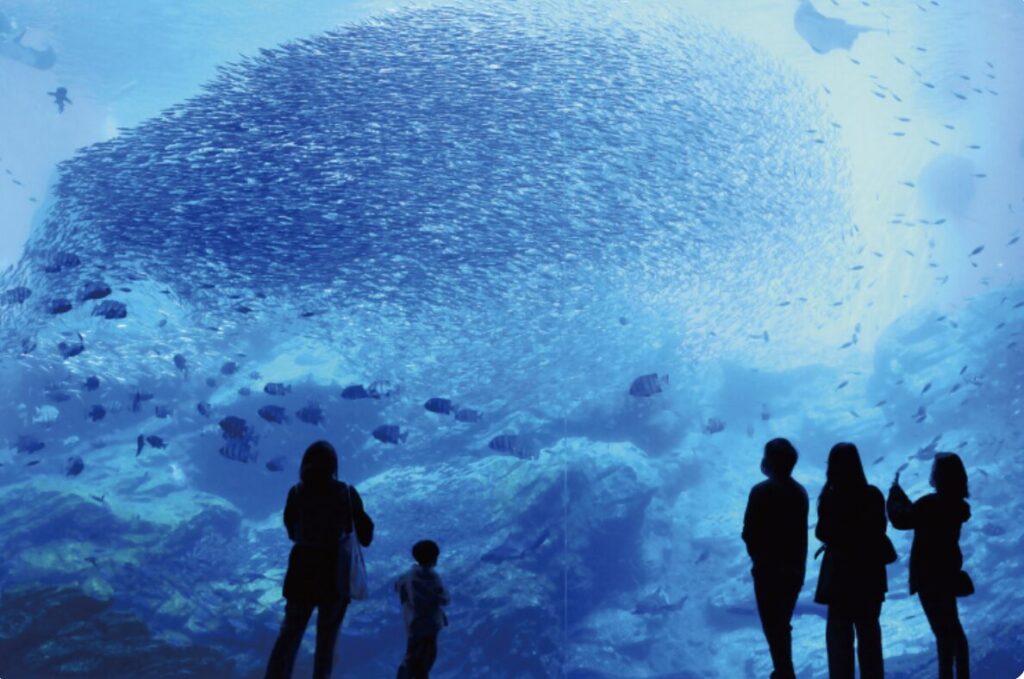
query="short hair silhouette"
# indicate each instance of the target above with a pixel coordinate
(426, 552)
(779, 457)
(844, 468)
(949, 476)
(319, 464)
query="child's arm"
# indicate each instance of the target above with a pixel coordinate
(442, 593)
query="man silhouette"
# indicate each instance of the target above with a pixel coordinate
(775, 532)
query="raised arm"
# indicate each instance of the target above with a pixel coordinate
(901, 509)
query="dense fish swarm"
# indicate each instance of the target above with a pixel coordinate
(449, 185)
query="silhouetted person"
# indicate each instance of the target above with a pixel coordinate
(422, 595)
(935, 558)
(318, 511)
(60, 97)
(775, 531)
(852, 582)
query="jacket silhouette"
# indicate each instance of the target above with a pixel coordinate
(935, 557)
(319, 509)
(852, 581)
(775, 533)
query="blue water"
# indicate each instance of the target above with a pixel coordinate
(802, 216)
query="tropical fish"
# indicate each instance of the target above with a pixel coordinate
(714, 425)
(234, 427)
(509, 443)
(468, 415)
(203, 408)
(156, 441)
(27, 443)
(442, 406)
(110, 309)
(74, 466)
(354, 391)
(94, 290)
(140, 443)
(92, 383)
(229, 368)
(58, 306)
(16, 295)
(310, 414)
(72, 348)
(181, 363)
(390, 433)
(275, 414)
(162, 411)
(97, 413)
(276, 388)
(139, 398)
(276, 464)
(647, 385)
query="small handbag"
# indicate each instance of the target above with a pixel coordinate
(351, 566)
(963, 586)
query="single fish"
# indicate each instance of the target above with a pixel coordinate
(92, 383)
(97, 413)
(310, 414)
(156, 442)
(229, 368)
(203, 408)
(234, 427)
(381, 389)
(276, 388)
(468, 415)
(16, 295)
(139, 398)
(162, 411)
(58, 306)
(74, 466)
(647, 385)
(275, 414)
(73, 348)
(508, 443)
(390, 433)
(94, 290)
(181, 363)
(27, 443)
(110, 309)
(354, 392)
(276, 464)
(714, 425)
(140, 443)
(441, 406)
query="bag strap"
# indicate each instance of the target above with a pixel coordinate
(351, 514)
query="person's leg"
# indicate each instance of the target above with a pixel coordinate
(960, 650)
(839, 642)
(869, 641)
(775, 608)
(282, 658)
(940, 609)
(328, 621)
(429, 655)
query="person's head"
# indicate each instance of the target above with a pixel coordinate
(779, 458)
(319, 464)
(426, 552)
(949, 476)
(844, 468)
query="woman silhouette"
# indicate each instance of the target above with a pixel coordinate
(935, 558)
(318, 511)
(852, 582)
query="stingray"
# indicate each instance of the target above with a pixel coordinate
(823, 33)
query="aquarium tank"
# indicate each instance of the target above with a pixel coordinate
(548, 275)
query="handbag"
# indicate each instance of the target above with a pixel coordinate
(963, 585)
(351, 566)
(889, 554)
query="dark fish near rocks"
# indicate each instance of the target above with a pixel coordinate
(74, 466)
(234, 427)
(647, 385)
(97, 413)
(16, 295)
(354, 392)
(442, 406)
(29, 444)
(73, 348)
(468, 415)
(714, 425)
(58, 306)
(509, 443)
(94, 290)
(276, 388)
(310, 414)
(390, 433)
(275, 414)
(110, 309)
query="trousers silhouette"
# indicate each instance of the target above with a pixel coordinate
(420, 654)
(843, 619)
(941, 610)
(296, 618)
(776, 597)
